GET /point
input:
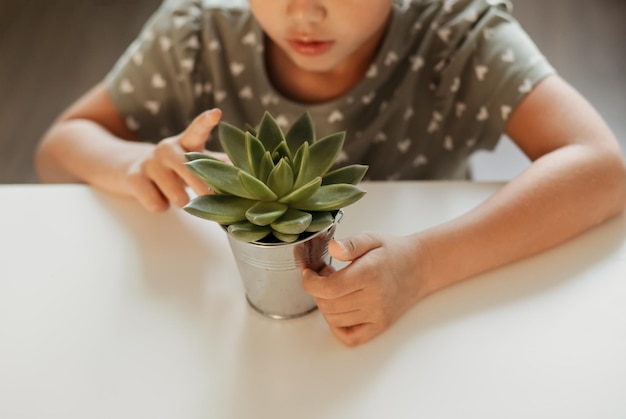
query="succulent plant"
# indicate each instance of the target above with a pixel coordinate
(278, 184)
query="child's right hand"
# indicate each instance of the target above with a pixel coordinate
(160, 177)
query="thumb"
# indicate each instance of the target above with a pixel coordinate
(197, 133)
(352, 248)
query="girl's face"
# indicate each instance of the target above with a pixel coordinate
(321, 35)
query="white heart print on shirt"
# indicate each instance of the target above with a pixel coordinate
(417, 62)
(187, 64)
(126, 87)
(132, 123)
(444, 34)
(508, 56)
(368, 98)
(342, 158)
(214, 45)
(158, 82)
(335, 116)
(483, 115)
(420, 160)
(249, 39)
(165, 42)
(152, 106)
(372, 71)
(380, 137)
(282, 121)
(505, 110)
(391, 58)
(481, 72)
(138, 58)
(526, 86)
(404, 145)
(220, 95)
(246, 93)
(237, 68)
(456, 85)
(460, 109)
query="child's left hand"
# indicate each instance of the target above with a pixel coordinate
(363, 299)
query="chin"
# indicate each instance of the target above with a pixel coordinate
(316, 65)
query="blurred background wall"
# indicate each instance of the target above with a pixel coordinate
(54, 50)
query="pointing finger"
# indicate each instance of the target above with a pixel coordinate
(197, 133)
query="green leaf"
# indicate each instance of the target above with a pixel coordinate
(323, 154)
(270, 132)
(266, 166)
(194, 155)
(264, 213)
(321, 221)
(220, 176)
(233, 142)
(302, 130)
(352, 174)
(256, 188)
(248, 232)
(301, 159)
(249, 128)
(302, 192)
(281, 152)
(292, 222)
(287, 238)
(330, 198)
(280, 180)
(255, 151)
(224, 209)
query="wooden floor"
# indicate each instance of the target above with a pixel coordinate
(52, 51)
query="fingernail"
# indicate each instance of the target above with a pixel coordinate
(214, 112)
(342, 246)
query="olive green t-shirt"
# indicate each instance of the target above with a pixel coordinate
(444, 82)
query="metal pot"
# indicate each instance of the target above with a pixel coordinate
(272, 272)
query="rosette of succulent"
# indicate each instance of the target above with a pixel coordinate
(280, 186)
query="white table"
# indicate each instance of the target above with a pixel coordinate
(107, 311)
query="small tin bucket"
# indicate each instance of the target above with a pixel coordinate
(272, 272)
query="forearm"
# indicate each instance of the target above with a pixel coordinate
(80, 150)
(561, 195)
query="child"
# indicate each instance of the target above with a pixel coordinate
(419, 85)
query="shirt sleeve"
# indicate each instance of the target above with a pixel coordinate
(489, 64)
(154, 83)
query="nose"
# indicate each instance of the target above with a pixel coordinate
(306, 11)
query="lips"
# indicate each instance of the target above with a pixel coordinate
(309, 47)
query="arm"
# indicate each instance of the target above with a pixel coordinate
(90, 143)
(577, 179)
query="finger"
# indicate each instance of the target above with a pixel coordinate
(348, 319)
(197, 133)
(348, 303)
(191, 180)
(353, 247)
(196, 185)
(327, 270)
(170, 185)
(220, 156)
(148, 194)
(329, 287)
(358, 334)
(171, 154)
